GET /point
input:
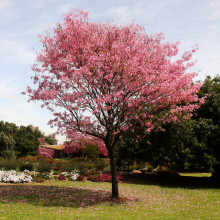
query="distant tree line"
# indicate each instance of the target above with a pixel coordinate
(192, 144)
(19, 141)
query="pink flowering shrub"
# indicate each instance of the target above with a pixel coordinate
(45, 152)
(80, 178)
(61, 177)
(104, 177)
(79, 143)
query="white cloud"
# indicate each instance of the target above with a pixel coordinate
(5, 3)
(13, 51)
(65, 8)
(37, 4)
(214, 8)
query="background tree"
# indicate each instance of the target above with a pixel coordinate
(7, 144)
(211, 110)
(104, 75)
(192, 144)
(21, 140)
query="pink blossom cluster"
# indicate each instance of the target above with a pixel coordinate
(79, 142)
(45, 152)
(104, 177)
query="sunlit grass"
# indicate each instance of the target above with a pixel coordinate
(87, 200)
(196, 174)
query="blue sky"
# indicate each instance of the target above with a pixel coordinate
(188, 21)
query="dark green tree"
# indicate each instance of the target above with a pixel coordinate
(192, 144)
(7, 144)
(24, 139)
(211, 110)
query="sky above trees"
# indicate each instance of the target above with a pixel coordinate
(190, 22)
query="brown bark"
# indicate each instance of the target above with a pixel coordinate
(115, 192)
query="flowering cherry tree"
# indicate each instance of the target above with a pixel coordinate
(97, 78)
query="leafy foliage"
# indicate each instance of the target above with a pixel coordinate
(7, 144)
(192, 144)
(20, 141)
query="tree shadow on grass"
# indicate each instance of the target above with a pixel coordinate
(51, 196)
(172, 181)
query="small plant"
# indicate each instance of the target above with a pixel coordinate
(65, 174)
(38, 178)
(80, 178)
(73, 177)
(45, 175)
(61, 177)
(55, 172)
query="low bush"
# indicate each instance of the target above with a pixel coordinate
(69, 166)
(37, 178)
(44, 166)
(14, 177)
(134, 166)
(30, 159)
(146, 167)
(26, 166)
(9, 164)
(82, 167)
(80, 178)
(164, 171)
(48, 160)
(91, 151)
(100, 165)
(58, 166)
(104, 177)
(79, 159)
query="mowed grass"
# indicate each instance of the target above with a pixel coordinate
(196, 174)
(149, 198)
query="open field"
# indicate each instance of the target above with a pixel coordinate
(142, 197)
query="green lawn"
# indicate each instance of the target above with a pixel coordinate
(196, 174)
(87, 200)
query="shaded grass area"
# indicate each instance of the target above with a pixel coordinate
(142, 197)
(186, 181)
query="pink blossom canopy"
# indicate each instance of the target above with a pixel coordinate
(96, 77)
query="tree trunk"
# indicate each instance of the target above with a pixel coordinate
(115, 193)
